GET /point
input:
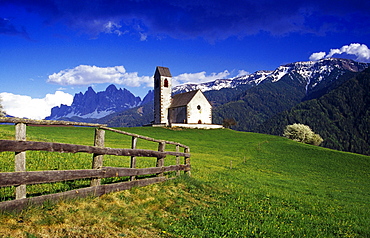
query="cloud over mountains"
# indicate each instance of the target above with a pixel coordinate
(355, 51)
(35, 108)
(200, 77)
(87, 75)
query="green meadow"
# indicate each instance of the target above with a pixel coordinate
(242, 185)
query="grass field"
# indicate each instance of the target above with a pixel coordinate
(242, 185)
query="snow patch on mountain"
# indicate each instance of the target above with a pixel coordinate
(279, 73)
(252, 79)
(308, 73)
(95, 114)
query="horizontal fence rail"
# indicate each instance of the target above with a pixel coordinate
(78, 193)
(46, 122)
(20, 146)
(143, 137)
(49, 176)
(20, 178)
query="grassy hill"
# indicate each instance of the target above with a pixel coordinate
(341, 117)
(242, 185)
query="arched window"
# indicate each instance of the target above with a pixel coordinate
(199, 107)
(165, 83)
(200, 122)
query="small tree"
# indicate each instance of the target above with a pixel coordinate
(2, 112)
(228, 122)
(302, 133)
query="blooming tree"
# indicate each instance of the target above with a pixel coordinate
(302, 133)
(2, 112)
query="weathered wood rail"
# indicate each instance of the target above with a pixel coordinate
(20, 178)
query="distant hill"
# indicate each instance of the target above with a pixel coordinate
(341, 117)
(133, 117)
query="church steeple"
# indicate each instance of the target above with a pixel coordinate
(162, 94)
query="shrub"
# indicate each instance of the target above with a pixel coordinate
(2, 112)
(228, 122)
(302, 133)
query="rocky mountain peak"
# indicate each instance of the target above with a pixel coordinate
(90, 91)
(111, 89)
(96, 105)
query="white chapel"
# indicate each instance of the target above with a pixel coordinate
(190, 109)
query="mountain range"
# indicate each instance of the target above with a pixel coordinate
(308, 73)
(341, 116)
(281, 89)
(252, 101)
(90, 105)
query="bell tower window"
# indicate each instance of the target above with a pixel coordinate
(165, 84)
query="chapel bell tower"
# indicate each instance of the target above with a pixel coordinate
(162, 94)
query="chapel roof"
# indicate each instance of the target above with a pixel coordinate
(163, 71)
(182, 99)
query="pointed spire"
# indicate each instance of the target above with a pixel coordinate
(163, 71)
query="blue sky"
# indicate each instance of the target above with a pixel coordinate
(52, 49)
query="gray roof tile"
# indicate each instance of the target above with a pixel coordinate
(182, 99)
(163, 71)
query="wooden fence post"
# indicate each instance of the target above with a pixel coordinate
(187, 161)
(178, 159)
(97, 158)
(20, 159)
(160, 160)
(133, 158)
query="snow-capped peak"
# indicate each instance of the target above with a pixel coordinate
(309, 73)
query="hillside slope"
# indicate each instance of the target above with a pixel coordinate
(133, 117)
(341, 117)
(280, 90)
(242, 185)
(260, 103)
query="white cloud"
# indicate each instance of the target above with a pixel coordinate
(200, 77)
(113, 27)
(33, 108)
(317, 56)
(96, 26)
(87, 75)
(242, 73)
(143, 36)
(360, 52)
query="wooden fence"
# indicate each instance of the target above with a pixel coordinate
(20, 178)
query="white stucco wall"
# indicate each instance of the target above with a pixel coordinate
(204, 114)
(165, 99)
(162, 101)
